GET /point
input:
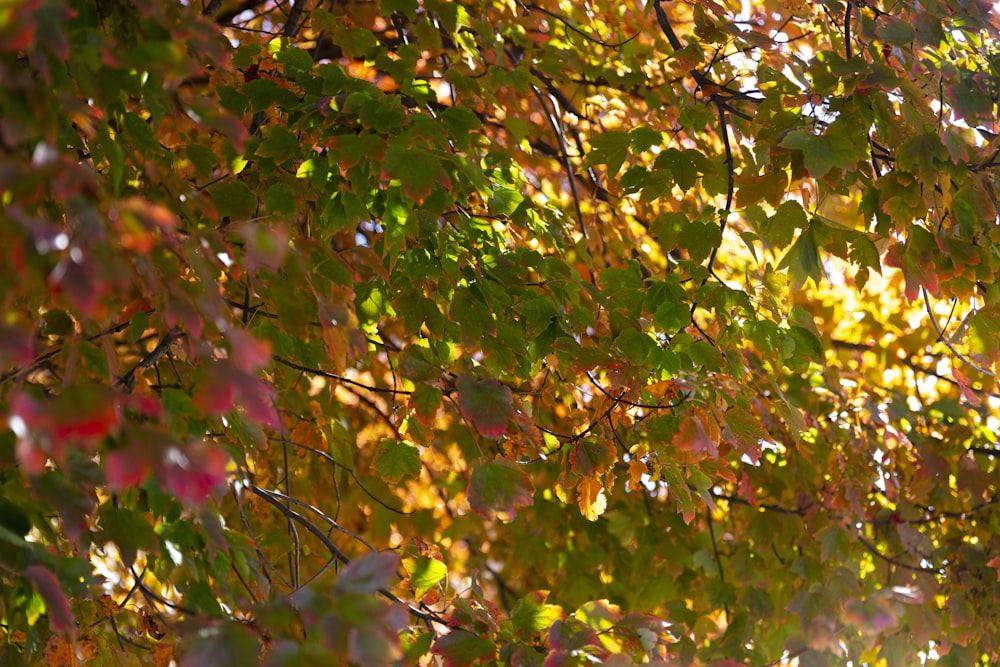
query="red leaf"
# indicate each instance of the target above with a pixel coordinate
(500, 488)
(692, 436)
(461, 648)
(216, 394)
(246, 351)
(86, 413)
(486, 403)
(126, 469)
(193, 473)
(56, 604)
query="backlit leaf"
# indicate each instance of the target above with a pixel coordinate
(500, 488)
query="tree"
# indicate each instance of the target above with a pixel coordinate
(499, 332)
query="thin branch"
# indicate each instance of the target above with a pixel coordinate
(895, 561)
(349, 471)
(947, 343)
(569, 26)
(339, 378)
(127, 381)
(644, 406)
(730, 179)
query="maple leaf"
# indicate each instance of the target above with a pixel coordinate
(693, 436)
(500, 488)
(194, 472)
(486, 403)
(591, 498)
(56, 603)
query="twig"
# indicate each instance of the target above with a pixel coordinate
(947, 343)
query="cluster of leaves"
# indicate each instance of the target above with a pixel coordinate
(499, 332)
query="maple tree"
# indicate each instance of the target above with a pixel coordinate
(499, 332)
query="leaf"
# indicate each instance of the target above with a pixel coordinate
(921, 155)
(531, 614)
(369, 573)
(233, 199)
(500, 488)
(802, 261)
(672, 316)
(394, 460)
(609, 148)
(280, 199)
(984, 333)
(425, 401)
(895, 30)
(591, 498)
(693, 436)
(417, 171)
(461, 648)
(504, 201)
(194, 472)
(592, 456)
(821, 152)
(747, 431)
(779, 229)
(425, 573)
(700, 239)
(486, 403)
(56, 603)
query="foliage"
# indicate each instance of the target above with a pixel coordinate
(499, 332)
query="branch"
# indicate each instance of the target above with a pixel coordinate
(339, 378)
(668, 30)
(127, 381)
(947, 343)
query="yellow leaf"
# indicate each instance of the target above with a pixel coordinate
(591, 498)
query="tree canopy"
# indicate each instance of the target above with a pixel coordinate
(549, 332)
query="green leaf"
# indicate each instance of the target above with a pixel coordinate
(279, 143)
(531, 614)
(802, 261)
(280, 199)
(672, 316)
(417, 171)
(609, 148)
(395, 460)
(500, 488)
(747, 431)
(806, 346)
(486, 403)
(685, 165)
(920, 154)
(895, 30)
(779, 229)
(984, 332)
(461, 648)
(233, 199)
(699, 239)
(128, 531)
(425, 401)
(141, 134)
(425, 573)
(821, 152)
(504, 201)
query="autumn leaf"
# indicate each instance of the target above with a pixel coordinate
(591, 498)
(486, 403)
(395, 460)
(500, 488)
(369, 573)
(56, 603)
